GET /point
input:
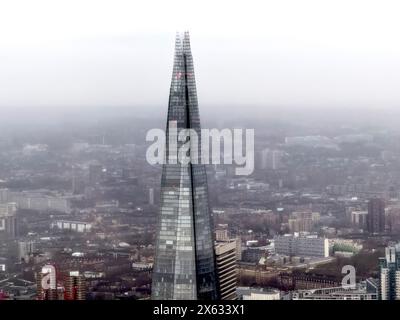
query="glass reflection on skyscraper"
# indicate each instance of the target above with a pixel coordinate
(184, 265)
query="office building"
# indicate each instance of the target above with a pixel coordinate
(389, 274)
(302, 245)
(184, 265)
(225, 257)
(376, 216)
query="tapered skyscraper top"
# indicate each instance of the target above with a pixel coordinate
(184, 265)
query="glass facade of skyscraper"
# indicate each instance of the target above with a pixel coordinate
(184, 265)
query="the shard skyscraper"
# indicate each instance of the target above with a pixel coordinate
(184, 266)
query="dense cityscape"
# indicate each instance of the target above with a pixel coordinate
(124, 200)
(82, 197)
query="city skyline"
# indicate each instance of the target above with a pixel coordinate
(111, 188)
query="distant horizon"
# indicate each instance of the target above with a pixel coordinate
(276, 116)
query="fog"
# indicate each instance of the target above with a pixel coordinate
(79, 58)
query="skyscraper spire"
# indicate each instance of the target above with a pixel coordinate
(185, 263)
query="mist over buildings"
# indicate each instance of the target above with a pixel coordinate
(82, 83)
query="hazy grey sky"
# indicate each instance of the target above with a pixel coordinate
(56, 54)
